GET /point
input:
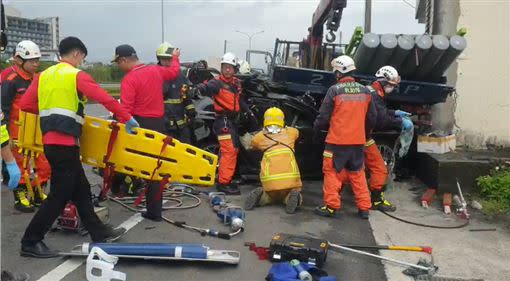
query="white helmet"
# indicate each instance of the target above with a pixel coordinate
(229, 58)
(244, 67)
(389, 73)
(343, 64)
(27, 49)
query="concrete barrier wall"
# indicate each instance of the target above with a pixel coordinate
(483, 74)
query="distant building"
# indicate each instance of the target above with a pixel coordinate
(43, 31)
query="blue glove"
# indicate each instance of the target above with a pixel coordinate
(407, 124)
(131, 124)
(14, 174)
(400, 113)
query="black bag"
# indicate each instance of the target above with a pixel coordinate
(286, 247)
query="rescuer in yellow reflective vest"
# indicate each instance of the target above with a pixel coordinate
(279, 172)
(58, 95)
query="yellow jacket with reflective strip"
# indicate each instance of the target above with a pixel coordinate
(60, 106)
(278, 168)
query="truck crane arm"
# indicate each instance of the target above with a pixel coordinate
(329, 12)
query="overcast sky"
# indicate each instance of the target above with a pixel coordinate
(200, 27)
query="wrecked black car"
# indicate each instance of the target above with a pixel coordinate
(299, 93)
(261, 94)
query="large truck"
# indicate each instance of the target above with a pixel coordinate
(299, 74)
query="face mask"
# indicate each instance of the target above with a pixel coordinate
(388, 89)
(274, 129)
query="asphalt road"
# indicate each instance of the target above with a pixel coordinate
(261, 224)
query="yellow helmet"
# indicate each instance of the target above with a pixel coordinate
(164, 50)
(274, 116)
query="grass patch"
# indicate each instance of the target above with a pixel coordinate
(495, 190)
(494, 207)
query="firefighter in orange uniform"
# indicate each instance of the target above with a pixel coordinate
(279, 172)
(26, 63)
(228, 105)
(387, 79)
(349, 113)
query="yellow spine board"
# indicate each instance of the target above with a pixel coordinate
(132, 154)
(29, 133)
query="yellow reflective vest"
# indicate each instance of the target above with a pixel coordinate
(4, 134)
(278, 168)
(60, 104)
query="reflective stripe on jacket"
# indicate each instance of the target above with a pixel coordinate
(278, 168)
(60, 105)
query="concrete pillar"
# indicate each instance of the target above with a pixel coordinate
(445, 18)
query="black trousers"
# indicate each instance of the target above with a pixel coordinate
(350, 157)
(68, 183)
(154, 206)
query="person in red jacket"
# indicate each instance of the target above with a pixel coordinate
(349, 113)
(9, 69)
(17, 80)
(228, 104)
(141, 93)
(58, 95)
(387, 79)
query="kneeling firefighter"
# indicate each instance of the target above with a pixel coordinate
(279, 172)
(387, 79)
(179, 109)
(228, 104)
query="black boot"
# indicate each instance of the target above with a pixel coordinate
(253, 198)
(112, 234)
(37, 250)
(151, 217)
(230, 189)
(109, 234)
(379, 203)
(325, 211)
(364, 214)
(293, 201)
(21, 203)
(39, 195)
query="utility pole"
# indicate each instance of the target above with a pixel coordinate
(249, 36)
(162, 24)
(368, 16)
(225, 47)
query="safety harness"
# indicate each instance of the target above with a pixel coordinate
(275, 144)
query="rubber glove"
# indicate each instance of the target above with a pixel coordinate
(131, 124)
(407, 124)
(14, 174)
(400, 113)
